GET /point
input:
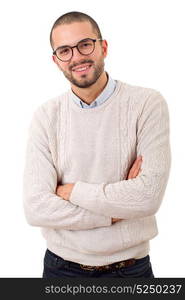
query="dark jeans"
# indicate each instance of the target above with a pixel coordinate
(55, 266)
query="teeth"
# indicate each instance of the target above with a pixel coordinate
(82, 69)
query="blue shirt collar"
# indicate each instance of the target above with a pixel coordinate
(105, 94)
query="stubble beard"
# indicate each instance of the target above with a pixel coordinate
(83, 82)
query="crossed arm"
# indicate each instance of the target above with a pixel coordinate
(64, 191)
(65, 207)
(44, 205)
(141, 196)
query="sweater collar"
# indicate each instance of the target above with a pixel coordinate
(104, 95)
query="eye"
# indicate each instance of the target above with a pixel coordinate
(85, 44)
(63, 51)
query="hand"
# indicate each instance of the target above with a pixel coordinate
(134, 171)
(64, 191)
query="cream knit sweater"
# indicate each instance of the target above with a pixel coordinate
(95, 148)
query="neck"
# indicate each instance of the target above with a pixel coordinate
(89, 94)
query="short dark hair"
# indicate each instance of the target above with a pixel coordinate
(75, 16)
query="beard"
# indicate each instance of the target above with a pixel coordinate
(84, 82)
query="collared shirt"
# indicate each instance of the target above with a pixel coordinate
(105, 94)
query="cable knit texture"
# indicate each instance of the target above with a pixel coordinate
(95, 149)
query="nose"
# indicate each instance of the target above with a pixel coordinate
(76, 54)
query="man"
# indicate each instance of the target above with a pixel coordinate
(97, 163)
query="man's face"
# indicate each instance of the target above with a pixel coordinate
(71, 34)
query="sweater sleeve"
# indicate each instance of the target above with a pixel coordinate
(141, 196)
(42, 206)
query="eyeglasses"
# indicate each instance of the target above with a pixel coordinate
(85, 47)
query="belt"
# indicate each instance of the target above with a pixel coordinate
(114, 266)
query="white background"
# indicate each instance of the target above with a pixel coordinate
(146, 48)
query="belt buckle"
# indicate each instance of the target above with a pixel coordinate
(103, 268)
(120, 265)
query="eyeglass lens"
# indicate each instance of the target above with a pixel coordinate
(85, 47)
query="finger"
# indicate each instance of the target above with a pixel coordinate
(135, 167)
(131, 172)
(137, 163)
(138, 160)
(136, 173)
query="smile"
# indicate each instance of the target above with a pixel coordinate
(82, 69)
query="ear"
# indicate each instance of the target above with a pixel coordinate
(104, 47)
(55, 60)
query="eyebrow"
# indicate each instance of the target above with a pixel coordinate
(64, 46)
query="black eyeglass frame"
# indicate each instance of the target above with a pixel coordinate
(76, 46)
